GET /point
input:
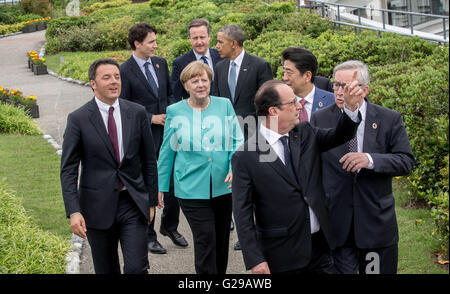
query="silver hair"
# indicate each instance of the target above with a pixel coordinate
(362, 76)
(234, 32)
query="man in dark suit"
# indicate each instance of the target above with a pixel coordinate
(362, 208)
(117, 193)
(199, 36)
(299, 73)
(145, 80)
(238, 77)
(278, 198)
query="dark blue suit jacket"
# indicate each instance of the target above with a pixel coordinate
(322, 99)
(177, 67)
(366, 198)
(136, 88)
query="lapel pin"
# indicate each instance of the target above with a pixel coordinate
(374, 126)
(157, 65)
(320, 104)
(244, 69)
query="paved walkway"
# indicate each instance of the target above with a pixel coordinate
(56, 99)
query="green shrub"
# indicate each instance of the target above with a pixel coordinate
(103, 5)
(11, 28)
(24, 247)
(40, 7)
(14, 120)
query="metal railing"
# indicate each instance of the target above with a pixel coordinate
(334, 10)
(9, 2)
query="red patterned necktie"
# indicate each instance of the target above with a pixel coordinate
(303, 114)
(112, 133)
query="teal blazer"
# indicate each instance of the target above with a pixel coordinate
(198, 145)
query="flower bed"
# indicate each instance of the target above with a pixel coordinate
(16, 97)
(36, 64)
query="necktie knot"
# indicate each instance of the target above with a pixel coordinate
(111, 110)
(283, 140)
(204, 59)
(303, 102)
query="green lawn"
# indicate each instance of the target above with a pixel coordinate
(31, 168)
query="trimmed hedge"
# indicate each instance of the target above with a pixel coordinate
(24, 247)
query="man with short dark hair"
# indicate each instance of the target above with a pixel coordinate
(145, 80)
(199, 36)
(117, 191)
(359, 178)
(278, 198)
(300, 68)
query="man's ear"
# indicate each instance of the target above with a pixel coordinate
(273, 111)
(92, 82)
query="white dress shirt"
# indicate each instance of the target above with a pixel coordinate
(273, 138)
(104, 111)
(141, 63)
(238, 60)
(309, 101)
(208, 58)
(360, 133)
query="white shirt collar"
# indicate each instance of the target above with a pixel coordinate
(198, 56)
(105, 107)
(271, 136)
(238, 60)
(310, 97)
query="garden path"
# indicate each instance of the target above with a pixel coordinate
(56, 99)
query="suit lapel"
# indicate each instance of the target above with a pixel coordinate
(276, 164)
(318, 100)
(157, 66)
(140, 75)
(243, 73)
(224, 73)
(295, 145)
(126, 125)
(371, 128)
(96, 119)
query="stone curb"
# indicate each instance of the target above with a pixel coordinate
(53, 74)
(73, 257)
(12, 34)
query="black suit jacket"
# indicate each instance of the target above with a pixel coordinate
(366, 196)
(86, 142)
(177, 67)
(253, 73)
(264, 191)
(323, 83)
(136, 88)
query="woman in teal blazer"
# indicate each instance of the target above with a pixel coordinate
(201, 134)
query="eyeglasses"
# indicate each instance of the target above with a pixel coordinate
(287, 103)
(337, 85)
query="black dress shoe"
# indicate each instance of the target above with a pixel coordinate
(232, 225)
(176, 237)
(156, 248)
(237, 246)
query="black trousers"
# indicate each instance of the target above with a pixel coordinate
(321, 261)
(209, 221)
(349, 259)
(170, 217)
(129, 228)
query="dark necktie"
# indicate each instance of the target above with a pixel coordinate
(303, 114)
(112, 133)
(150, 79)
(353, 145)
(204, 59)
(232, 80)
(287, 155)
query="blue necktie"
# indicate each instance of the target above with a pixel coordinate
(232, 80)
(150, 79)
(205, 60)
(287, 155)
